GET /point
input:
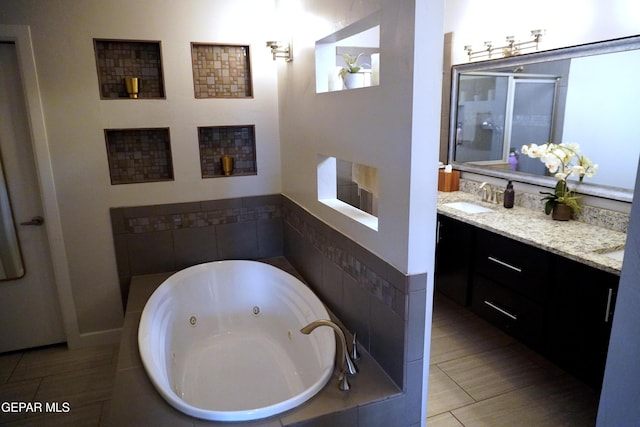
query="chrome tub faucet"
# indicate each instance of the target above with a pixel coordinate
(348, 367)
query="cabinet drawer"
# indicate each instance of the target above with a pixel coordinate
(519, 316)
(513, 264)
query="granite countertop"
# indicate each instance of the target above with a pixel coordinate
(572, 239)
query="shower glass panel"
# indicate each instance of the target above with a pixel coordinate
(482, 111)
(500, 112)
(532, 119)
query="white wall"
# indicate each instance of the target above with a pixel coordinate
(63, 33)
(568, 22)
(385, 126)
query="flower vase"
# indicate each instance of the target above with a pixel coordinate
(561, 212)
(353, 80)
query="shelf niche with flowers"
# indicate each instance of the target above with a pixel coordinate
(564, 161)
(350, 57)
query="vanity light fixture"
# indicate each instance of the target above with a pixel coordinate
(512, 47)
(281, 49)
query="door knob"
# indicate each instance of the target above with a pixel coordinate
(36, 220)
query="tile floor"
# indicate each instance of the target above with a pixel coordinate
(83, 378)
(480, 376)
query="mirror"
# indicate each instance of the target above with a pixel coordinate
(580, 94)
(11, 266)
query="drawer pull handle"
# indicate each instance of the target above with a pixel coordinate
(504, 264)
(608, 312)
(506, 313)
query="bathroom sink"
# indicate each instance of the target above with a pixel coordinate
(468, 207)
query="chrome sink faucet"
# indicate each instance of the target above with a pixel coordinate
(347, 365)
(489, 194)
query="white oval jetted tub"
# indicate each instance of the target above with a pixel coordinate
(221, 341)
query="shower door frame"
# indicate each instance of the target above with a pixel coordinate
(513, 79)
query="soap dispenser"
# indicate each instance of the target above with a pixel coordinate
(509, 196)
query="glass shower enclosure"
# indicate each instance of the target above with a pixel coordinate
(497, 113)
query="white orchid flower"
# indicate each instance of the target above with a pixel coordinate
(561, 176)
(578, 171)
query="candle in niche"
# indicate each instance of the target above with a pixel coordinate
(227, 165)
(375, 69)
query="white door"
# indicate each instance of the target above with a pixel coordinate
(30, 313)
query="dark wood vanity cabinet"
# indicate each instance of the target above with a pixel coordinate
(580, 312)
(510, 286)
(453, 258)
(559, 307)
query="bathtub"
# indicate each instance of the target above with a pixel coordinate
(221, 341)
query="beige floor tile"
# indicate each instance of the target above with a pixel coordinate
(566, 400)
(512, 384)
(493, 372)
(78, 388)
(455, 346)
(86, 416)
(58, 359)
(558, 402)
(8, 363)
(458, 332)
(509, 409)
(443, 420)
(22, 391)
(444, 393)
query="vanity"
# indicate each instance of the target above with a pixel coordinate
(550, 284)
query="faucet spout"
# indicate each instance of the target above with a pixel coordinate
(489, 194)
(347, 363)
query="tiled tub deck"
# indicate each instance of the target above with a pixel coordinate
(374, 400)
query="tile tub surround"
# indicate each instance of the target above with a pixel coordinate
(575, 240)
(381, 304)
(159, 238)
(373, 400)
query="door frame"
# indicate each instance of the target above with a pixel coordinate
(21, 36)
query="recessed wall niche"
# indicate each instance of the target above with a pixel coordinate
(221, 71)
(139, 155)
(118, 59)
(349, 188)
(361, 42)
(237, 142)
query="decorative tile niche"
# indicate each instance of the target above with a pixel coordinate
(221, 71)
(139, 155)
(234, 141)
(117, 59)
